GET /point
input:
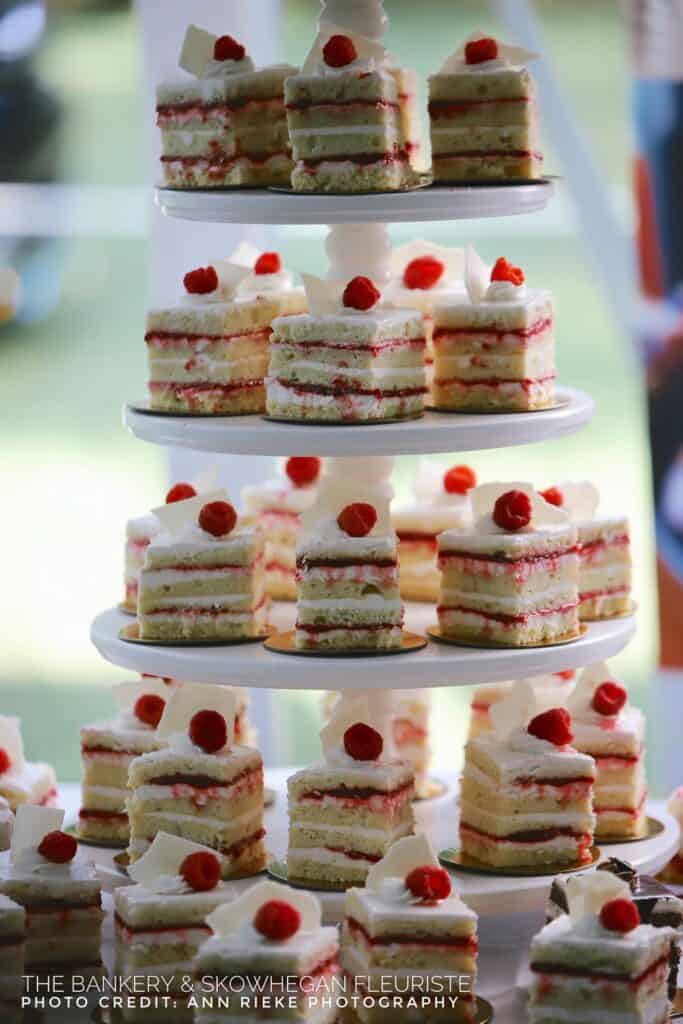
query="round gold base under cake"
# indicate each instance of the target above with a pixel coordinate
(102, 844)
(547, 179)
(131, 635)
(145, 410)
(342, 423)
(482, 1013)
(277, 869)
(283, 643)
(434, 632)
(653, 828)
(453, 858)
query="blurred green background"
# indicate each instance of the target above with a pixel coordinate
(72, 475)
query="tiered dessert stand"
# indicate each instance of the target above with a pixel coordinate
(510, 909)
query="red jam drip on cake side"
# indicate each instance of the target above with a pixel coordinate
(218, 163)
(369, 627)
(590, 595)
(467, 943)
(235, 850)
(371, 858)
(631, 812)
(89, 815)
(591, 547)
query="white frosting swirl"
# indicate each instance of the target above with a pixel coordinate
(262, 284)
(228, 68)
(522, 742)
(505, 291)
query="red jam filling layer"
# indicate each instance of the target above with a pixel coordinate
(577, 972)
(204, 781)
(465, 153)
(199, 388)
(415, 537)
(370, 627)
(541, 835)
(238, 848)
(376, 349)
(206, 109)
(344, 105)
(519, 332)
(127, 930)
(398, 156)
(356, 793)
(504, 559)
(526, 383)
(451, 108)
(562, 609)
(468, 943)
(592, 545)
(589, 595)
(86, 814)
(216, 161)
(345, 389)
(304, 562)
(166, 339)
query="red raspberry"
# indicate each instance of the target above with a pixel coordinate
(609, 698)
(504, 271)
(479, 50)
(459, 480)
(423, 272)
(339, 51)
(619, 915)
(553, 725)
(268, 263)
(360, 293)
(208, 731)
(179, 492)
(5, 762)
(201, 281)
(201, 871)
(357, 519)
(512, 510)
(302, 470)
(58, 847)
(362, 742)
(429, 883)
(277, 920)
(218, 518)
(227, 48)
(567, 674)
(149, 708)
(553, 495)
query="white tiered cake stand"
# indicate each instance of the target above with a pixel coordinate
(510, 909)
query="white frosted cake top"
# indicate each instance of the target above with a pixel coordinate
(142, 527)
(434, 508)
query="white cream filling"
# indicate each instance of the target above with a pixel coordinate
(512, 603)
(373, 602)
(351, 373)
(219, 824)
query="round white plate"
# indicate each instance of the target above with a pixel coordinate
(437, 203)
(436, 432)
(434, 665)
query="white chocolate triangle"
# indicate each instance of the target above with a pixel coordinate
(231, 917)
(11, 741)
(323, 297)
(508, 56)
(403, 857)
(580, 500)
(127, 694)
(477, 275)
(348, 712)
(178, 515)
(190, 698)
(453, 259)
(31, 824)
(515, 710)
(587, 893)
(484, 498)
(366, 49)
(163, 859)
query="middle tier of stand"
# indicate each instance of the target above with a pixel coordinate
(436, 664)
(433, 433)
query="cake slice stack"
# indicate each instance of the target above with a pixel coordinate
(225, 124)
(409, 938)
(527, 794)
(201, 786)
(345, 813)
(347, 571)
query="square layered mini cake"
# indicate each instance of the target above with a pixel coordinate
(271, 934)
(608, 728)
(599, 962)
(202, 578)
(345, 813)
(12, 944)
(22, 781)
(408, 936)
(209, 354)
(347, 571)
(274, 507)
(224, 124)
(494, 349)
(440, 502)
(604, 551)
(483, 117)
(512, 577)
(107, 750)
(60, 892)
(350, 359)
(527, 794)
(345, 117)
(160, 920)
(201, 786)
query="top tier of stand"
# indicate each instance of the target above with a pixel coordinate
(435, 203)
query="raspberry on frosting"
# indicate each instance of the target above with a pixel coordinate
(609, 698)
(512, 510)
(179, 492)
(218, 518)
(429, 883)
(479, 50)
(357, 519)
(360, 293)
(553, 725)
(227, 48)
(459, 480)
(268, 263)
(58, 847)
(201, 281)
(208, 731)
(5, 761)
(505, 271)
(277, 920)
(201, 870)
(553, 495)
(362, 742)
(620, 915)
(423, 272)
(303, 470)
(339, 51)
(149, 708)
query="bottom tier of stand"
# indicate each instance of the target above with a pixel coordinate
(510, 910)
